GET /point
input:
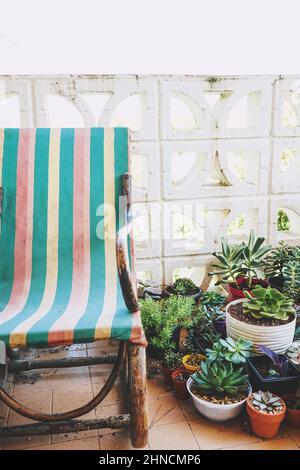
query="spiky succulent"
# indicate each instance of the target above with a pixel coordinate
(230, 350)
(219, 378)
(293, 353)
(253, 257)
(229, 262)
(277, 259)
(268, 303)
(265, 401)
(184, 286)
(291, 280)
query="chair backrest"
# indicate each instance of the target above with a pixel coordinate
(55, 182)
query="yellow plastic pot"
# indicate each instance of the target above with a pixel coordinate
(186, 358)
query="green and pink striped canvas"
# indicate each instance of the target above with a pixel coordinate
(58, 272)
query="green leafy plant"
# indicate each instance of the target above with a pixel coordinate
(266, 401)
(230, 350)
(203, 325)
(184, 286)
(212, 300)
(268, 303)
(219, 378)
(277, 259)
(172, 360)
(291, 280)
(241, 260)
(160, 318)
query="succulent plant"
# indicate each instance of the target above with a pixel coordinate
(241, 260)
(277, 259)
(230, 350)
(293, 353)
(266, 401)
(268, 303)
(212, 300)
(184, 286)
(291, 280)
(172, 359)
(219, 378)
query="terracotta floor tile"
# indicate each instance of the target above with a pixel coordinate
(117, 441)
(74, 398)
(157, 387)
(164, 410)
(36, 401)
(273, 444)
(294, 433)
(78, 444)
(211, 435)
(189, 409)
(175, 436)
(116, 394)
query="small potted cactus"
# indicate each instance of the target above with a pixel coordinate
(185, 287)
(171, 362)
(219, 391)
(292, 403)
(180, 378)
(266, 412)
(265, 315)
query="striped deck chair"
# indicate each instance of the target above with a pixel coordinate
(64, 264)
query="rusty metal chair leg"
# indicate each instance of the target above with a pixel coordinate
(137, 385)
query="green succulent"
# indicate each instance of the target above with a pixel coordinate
(291, 280)
(277, 259)
(219, 378)
(212, 299)
(184, 286)
(172, 360)
(268, 303)
(293, 353)
(230, 350)
(241, 260)
(265, 401)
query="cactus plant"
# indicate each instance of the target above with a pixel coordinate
(219, 379)
(268, 303)
(184, 286)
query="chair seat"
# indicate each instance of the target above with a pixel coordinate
(60, 215)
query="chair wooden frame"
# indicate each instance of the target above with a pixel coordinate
(130, 357)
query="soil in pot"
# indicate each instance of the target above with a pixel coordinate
(265, 424)
(261, 379)
(192, 362)
(237, 293)
(180, 378)
(220, 400)
(236, 311)
(292, 403)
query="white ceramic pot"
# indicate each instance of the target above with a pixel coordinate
(216, 412)
(278, 338)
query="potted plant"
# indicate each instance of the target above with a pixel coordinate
(274, 264)
(272, 372)
(266, 412)
(291, 280)
(204, 331)
(185, 287)
(229, 350)
(180, 378)
(292, 403)
(293, 354)
(219, 392)
(171, 362)
(240, 266)
(214, 302)
(265, 316)
(162, 320)
(192, 362)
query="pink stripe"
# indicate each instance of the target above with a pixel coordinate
(81, 243)
(24, 223)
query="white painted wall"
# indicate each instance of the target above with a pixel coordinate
(212, 149)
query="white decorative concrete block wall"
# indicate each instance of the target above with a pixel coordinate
(212, 156)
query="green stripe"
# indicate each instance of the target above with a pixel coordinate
(8, 225)
(39, 236)
(85, 328)
(38, 334)
(122, 321)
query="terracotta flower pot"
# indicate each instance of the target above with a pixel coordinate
(181, 391)
(238, 293)
(167, 373)
(263, 424)
(292, 416)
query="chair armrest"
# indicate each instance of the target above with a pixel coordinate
(126, 280)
